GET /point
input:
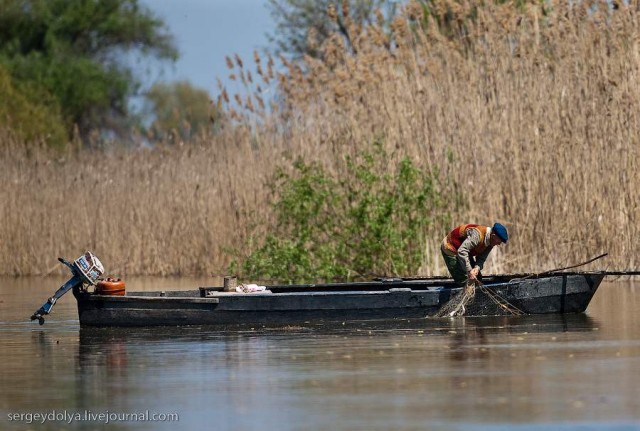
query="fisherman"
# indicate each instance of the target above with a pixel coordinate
(467, 247)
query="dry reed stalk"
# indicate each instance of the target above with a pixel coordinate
(534, 115)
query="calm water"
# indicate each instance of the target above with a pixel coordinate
(576, 372)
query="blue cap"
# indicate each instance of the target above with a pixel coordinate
(501, 231)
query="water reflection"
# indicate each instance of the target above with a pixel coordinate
(410, 374)
(444, 364)
(108, 346)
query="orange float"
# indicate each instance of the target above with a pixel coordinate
(111, 287)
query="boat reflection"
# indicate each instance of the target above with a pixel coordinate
(427, 362)
(115, 348)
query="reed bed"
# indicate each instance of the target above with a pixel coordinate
(533, 113)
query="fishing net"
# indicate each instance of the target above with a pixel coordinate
(476, 299)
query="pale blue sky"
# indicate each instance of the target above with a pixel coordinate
(208, 30)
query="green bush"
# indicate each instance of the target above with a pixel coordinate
(373, 221)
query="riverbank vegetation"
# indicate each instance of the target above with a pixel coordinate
(525, 114)
(373, 219)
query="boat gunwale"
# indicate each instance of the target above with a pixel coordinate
(445, 283)
(153, 298)
(205, 294)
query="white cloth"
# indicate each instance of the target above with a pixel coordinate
(251, 288)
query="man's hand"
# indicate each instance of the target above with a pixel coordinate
(473, 274)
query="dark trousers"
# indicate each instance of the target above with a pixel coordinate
(456, 269)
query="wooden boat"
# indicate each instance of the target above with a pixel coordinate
(383, 299)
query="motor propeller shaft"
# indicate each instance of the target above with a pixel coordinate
(85, 269)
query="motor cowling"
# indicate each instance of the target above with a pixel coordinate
(90, 267)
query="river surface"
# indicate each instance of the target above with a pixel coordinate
(572, 372)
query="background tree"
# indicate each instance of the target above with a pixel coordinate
(29, 115)
(303, 25)
(180, 111)
(74, 52)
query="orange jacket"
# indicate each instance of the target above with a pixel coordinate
(456, 237)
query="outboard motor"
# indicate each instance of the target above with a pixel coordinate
(86, 269)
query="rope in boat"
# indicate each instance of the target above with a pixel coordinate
(551, 271)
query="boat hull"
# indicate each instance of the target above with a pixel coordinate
(400, 299)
